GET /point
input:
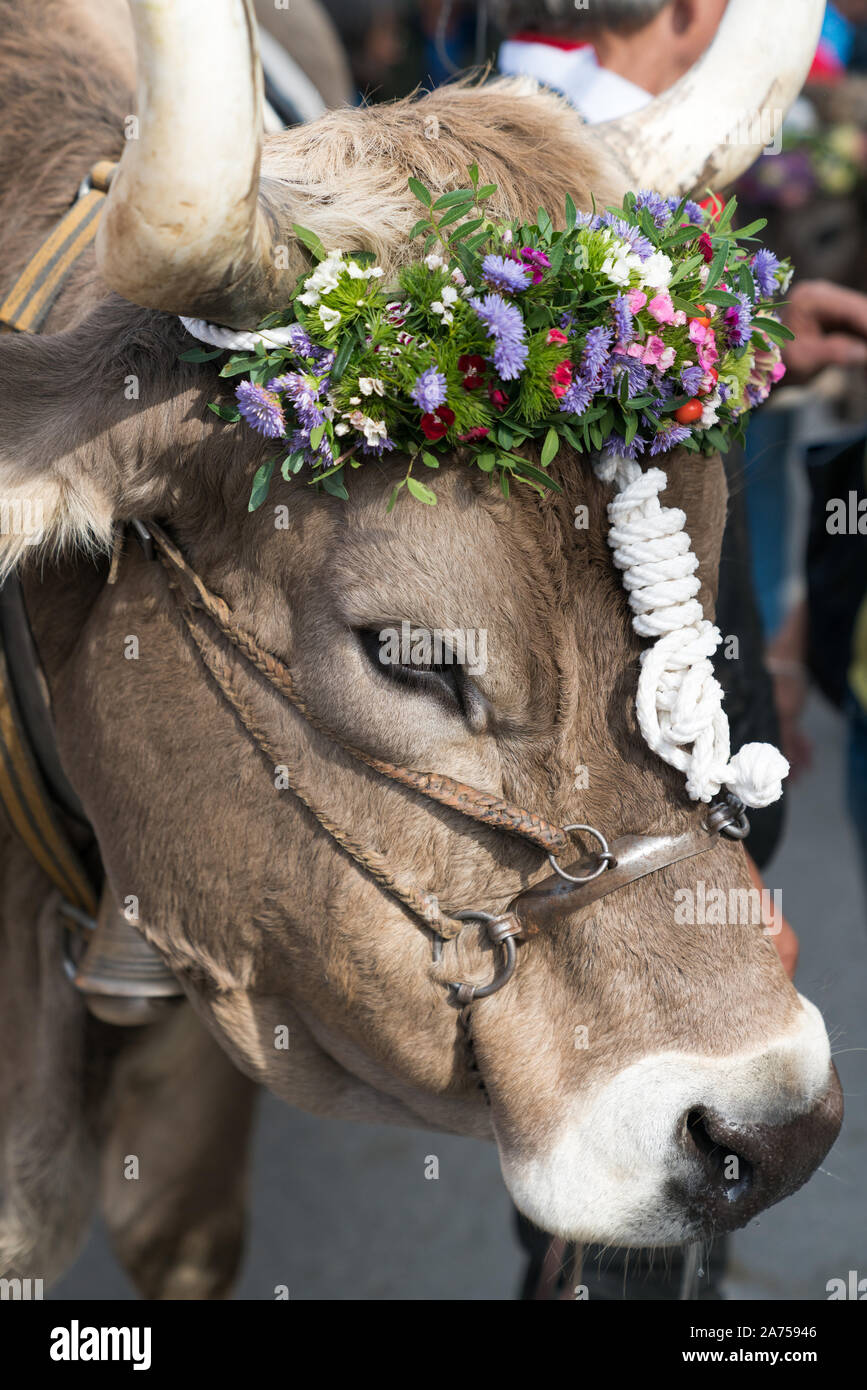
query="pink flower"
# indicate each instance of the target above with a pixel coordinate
(477, 432)
(637, 300)
(705, 341)
(561, 378)
(555, 336)
(536, 261)
(656, 354)
(679, 318)
(778, 373)
(635, 350)
(662, 308)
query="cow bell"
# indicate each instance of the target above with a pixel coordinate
(122, 978)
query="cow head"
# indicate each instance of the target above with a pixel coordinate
(650, 1079)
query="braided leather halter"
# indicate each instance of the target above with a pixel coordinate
(566, 890)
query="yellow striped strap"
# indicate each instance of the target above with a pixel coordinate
(26, 307)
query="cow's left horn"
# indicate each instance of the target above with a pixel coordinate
(712, 124)
(183, 228)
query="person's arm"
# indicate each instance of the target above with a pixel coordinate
(830, 327)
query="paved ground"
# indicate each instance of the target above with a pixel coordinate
(345, 1212)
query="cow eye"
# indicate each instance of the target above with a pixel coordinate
(414, 659)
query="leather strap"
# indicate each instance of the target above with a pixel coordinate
(27, 305)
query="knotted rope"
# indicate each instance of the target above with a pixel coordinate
(679, 700)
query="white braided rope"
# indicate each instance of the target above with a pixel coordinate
(679, 700)
(237, 339)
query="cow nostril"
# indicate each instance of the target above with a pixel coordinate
(726, 1169)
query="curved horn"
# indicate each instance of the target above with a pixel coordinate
(183, 229)
(712, 124)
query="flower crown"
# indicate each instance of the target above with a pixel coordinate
(629, 332)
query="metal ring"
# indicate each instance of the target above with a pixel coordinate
(467, 994)
(606, 858)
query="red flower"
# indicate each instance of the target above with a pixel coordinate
(498, 398)
(714, 205)
(474, 366)
(477, 432)
(436, 425)
(705, 246)
(561, 378)
(555, 336)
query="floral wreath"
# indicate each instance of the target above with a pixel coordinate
(627, 334)
(633, 331)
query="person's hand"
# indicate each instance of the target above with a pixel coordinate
(779, 931)
(830, 327)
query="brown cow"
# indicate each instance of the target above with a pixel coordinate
(698, 1046)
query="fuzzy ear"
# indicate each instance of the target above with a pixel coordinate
(89, 426)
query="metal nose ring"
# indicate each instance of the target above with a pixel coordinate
(606, 858)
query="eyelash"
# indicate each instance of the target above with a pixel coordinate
(444, 682)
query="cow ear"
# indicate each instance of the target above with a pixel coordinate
(84, 430)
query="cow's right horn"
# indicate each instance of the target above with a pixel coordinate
(712, 124)
(184, 229)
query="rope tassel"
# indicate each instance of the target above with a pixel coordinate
(679, 700)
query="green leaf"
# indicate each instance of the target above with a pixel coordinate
(393, 498)
(235, 368)
(466, 229)
(419, 227)
(334, 484)
(719, 297)
(486, 462)
(458, 195)
(749, 232)
(421, 493)
(473, 171)
(420, 192)
(717, 439)
(457, 212)
(292, 463)
(310, 240)
(550, 447)
(344, 352)
(571, 213)
(718, 265)
(631, 428)
(200, 355)
(775, 331)
(486, 191)
(529, 470)
(686, 268)
(429, 460)
(226, 412)
(316, 436)
(261, 483)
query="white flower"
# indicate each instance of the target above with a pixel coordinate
(709, 415)
(787, 280)
(449, 295)
(458, 276)
(374, 430)
(341, 429)
(704, 273)
(620, 265)
(507, 236)
(439, 308)
(357, 272)
(323, 279)
(657, 271)
(434, 262)
(367, 385)
(330, 317)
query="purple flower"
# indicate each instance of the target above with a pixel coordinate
(765, 267)
(739, 322)
(588, 219)
(669, 438)
(691, 379)
(261, 409)
(692, 212)
(299, 441)
(638, 374)
(299, 341)
(506, 326)
(623, 321)
(537, 261)
(304, 391)
(578, 397)
(617, 447)
(505, 274)
(632, 235)
(596, 348)
(429, 390)
(658, 207)
(566, 322)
